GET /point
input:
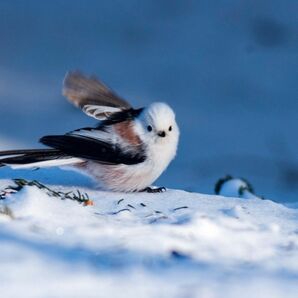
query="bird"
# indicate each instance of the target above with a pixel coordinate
(126, 151)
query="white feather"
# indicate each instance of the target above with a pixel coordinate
(99, 112)
(96, 134)
(47, 163)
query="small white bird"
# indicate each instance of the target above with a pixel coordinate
(127, 151)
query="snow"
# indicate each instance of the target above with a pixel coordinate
(172, 244)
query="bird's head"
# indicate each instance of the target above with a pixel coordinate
(159, 125)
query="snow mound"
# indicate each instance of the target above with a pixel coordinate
(172, 244)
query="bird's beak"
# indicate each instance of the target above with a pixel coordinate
(161, 133)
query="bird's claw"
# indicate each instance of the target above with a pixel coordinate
(155, 190)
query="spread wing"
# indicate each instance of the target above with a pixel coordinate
(97, 145)
(92, 96)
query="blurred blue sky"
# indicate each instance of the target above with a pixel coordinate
(229, 69)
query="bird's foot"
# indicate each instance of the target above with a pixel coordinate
(154, 190)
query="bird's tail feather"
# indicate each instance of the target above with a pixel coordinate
(35, 158)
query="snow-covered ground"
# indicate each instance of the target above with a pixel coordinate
(173, 244)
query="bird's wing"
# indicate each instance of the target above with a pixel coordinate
(96, 145)
(92, 96)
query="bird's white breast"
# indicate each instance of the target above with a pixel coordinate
(136, 177)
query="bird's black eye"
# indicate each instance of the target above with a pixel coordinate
(170, 128)
(149, 128)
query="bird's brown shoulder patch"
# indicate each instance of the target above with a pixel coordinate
(126, 132)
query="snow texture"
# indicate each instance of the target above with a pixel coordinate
(172, 244)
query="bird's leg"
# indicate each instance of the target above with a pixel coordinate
(154, 190)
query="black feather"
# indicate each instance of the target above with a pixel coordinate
(125, 115)
(27, 151)
(30, 156)
(93, 149)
